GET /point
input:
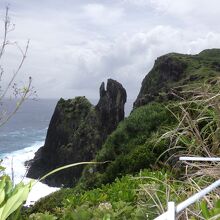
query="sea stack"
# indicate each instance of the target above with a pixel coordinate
(76, 132)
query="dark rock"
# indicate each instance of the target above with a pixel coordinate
(167, 69)
(110, 107)
(174, 71)
(76, 132)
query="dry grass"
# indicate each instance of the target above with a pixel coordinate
(198, 115)
(197, 134)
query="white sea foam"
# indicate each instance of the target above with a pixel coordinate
(38, 191)
(14, 164)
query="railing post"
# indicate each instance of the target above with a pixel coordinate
(171, 211)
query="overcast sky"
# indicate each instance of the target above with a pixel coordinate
(77, 44)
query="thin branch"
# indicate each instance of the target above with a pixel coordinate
(19, 103)
(16, 72)
(6, 26)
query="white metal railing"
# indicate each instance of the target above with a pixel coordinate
(173, 210)
(203, 159)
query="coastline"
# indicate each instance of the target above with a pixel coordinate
(14, 163)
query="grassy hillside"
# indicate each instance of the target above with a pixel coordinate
(131, 147)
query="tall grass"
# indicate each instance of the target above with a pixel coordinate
(198, 115)
(197, 133)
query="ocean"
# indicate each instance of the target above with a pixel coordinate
(23, 135)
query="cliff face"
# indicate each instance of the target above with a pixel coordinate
(76, 132)
(173, 70)
(110, 107)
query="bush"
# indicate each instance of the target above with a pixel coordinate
(131, 146)
(125, 198)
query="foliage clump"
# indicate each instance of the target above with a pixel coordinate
(197, 132)
(131, 146)
(125, 198)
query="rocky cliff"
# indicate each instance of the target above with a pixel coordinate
(76, 132)
(172, 71)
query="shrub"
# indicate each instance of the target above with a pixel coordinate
(123, 199)
(131, 146)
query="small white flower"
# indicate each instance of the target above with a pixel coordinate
(105, 206)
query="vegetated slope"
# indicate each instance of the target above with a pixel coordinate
(125, 198)
(133, 145)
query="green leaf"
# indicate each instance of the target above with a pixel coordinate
(217, 204)
(68, 166)
(205, 211)
(2, 190)
(216, 211)
(8, 186)
(16, 200)
(2, 168)
(107, 217)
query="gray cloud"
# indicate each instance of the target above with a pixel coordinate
(75, 45)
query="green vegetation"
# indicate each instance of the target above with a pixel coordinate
(131, 146)
(126, 198)
(198, 121)
(139, 197)
(12, 197)
(213, 213)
